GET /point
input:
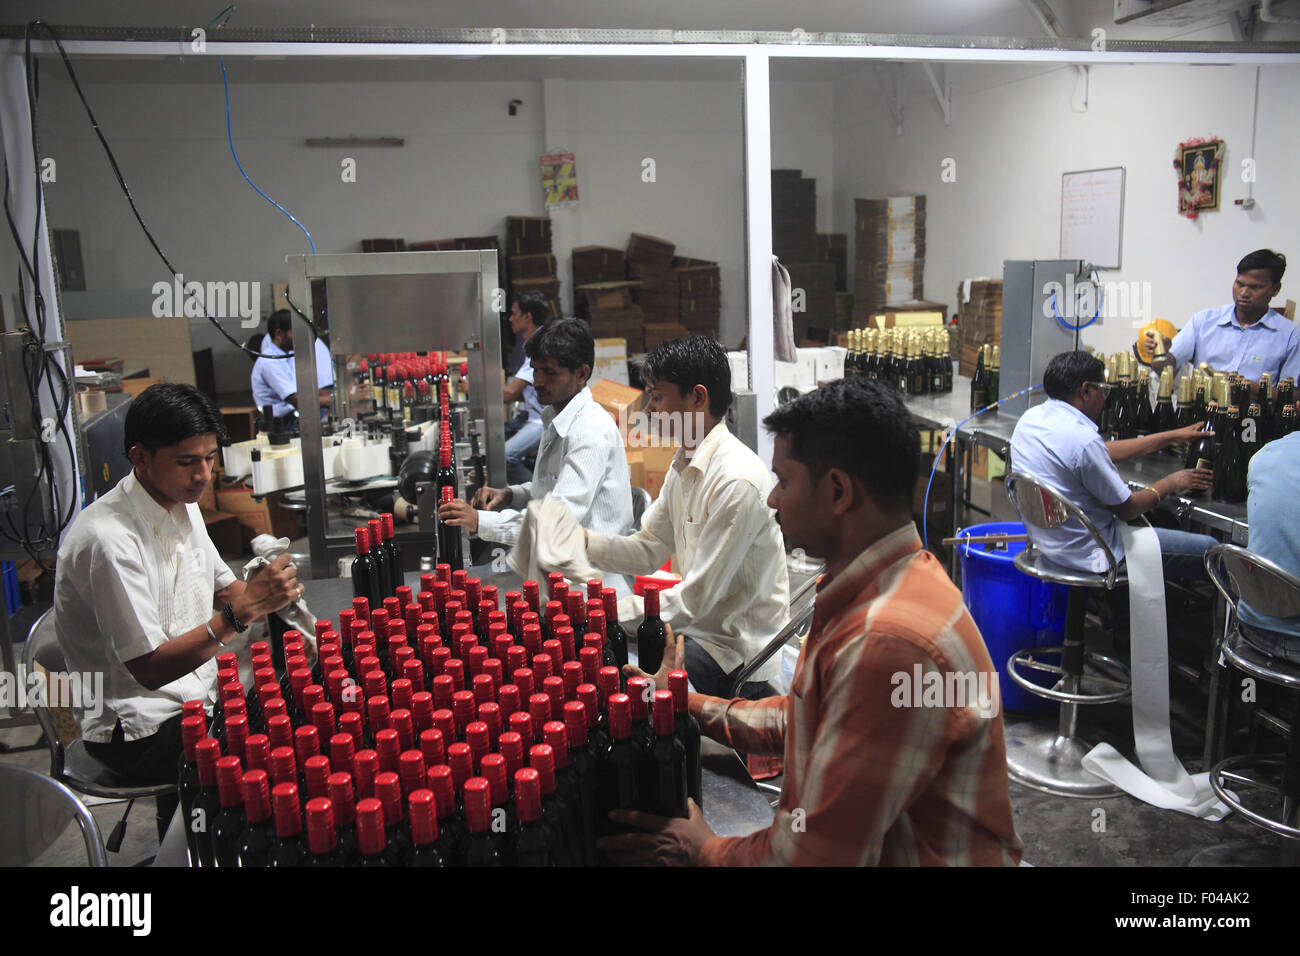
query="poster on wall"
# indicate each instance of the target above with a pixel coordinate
(559, 178)
(1198, 166)
(1092, 216)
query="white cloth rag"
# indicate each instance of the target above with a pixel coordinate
(551, 539)
(296, 615)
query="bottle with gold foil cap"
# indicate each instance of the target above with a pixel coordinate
(1164, 413)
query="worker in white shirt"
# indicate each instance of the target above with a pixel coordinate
(580, 459)
(142, 597)
(712, 514)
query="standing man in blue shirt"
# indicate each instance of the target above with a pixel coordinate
(1246, 335)
(275, 382)
(528, 313)
(1059, 444)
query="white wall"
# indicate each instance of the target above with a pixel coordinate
(803, 137)
(1014, 133)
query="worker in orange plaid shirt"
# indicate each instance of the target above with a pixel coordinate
(876, 772)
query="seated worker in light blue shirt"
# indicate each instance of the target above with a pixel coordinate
(1273, 510)
(275, 380)
(528, 313)
(1059, 444)
(1246, 335)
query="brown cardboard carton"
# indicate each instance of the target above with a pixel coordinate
(619, 400)
(658, 459)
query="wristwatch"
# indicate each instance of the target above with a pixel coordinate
(229, 614)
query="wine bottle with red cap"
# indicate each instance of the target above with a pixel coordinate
(534, 841)
(206, 754)
(344, 801)
(583, 766)
(288, 849)
(452, 834)
(688, 732)
(388, 791)
(481, 848)
(380, 555)
(651, 637)
(188, 785)
(322, 837)
(258, 835)
(449, 545)
(667, 794)
(372, 841)
(394, 550)
(616, 769)
(424, 829)
(228, 825)
(615, 636)
(365, 577)
(568, 793)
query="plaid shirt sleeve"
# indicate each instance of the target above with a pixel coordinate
(752, 726)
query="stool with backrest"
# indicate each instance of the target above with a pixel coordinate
(1048, 758)
(1249, 782)
(34, 813)
(73, 765)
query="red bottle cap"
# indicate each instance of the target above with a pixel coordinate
(346, 617)
(367, 768)
(360, 609)
(322, 625)
(339, 790)
(639, 697)
(528, 795)
(589, 661)
(516, 657)
(401, 723)
(651, 597)
(227, 676)
(482, 685)
(477, 736)
(589, 697)
(432, 747)
(539, 708)
(283, 765)
(593, 588)
(316, 771)
(521, 722)
(257, 796)
(458, 579)
(511, 746)
(508, 699)
(320, 826)
(456, 670)
(557, 738)
(377, 713)
(438, 661)
(426, 581)
(350, 724)
(543, 666)
(515, 612)
(229, 782)
(442, 588)
(553, 688)
(273, 708)
(257, 752)
(444, 792)
(192, 731)
(662, 709)
(568, 644)
(264, 676)
(443, 687)
(386, 521)
(236, 735)
(490, 714)
(402, 693)
(312, 695)
(194, 708)
(553, 610)
(524, 679)
(493, 769)
(422, 711)
(501, 644)
(389, 748)
(571, 677)
(376, 532)
(462, 708)
(575, 723)
(473, 590)
(620, 716)
(371, 839)
(475, 658)
(488, 592)
(542, 759)
(678, 685)
(369, 664)
(461, 760)
(411, 612)
(284, 801)
(555, 650)
(393, 607)
(532, 594)
(478, 805)
(306, 742)
(411, 768)
(362, 540)
(235, 705)
(553, 580)
(334, 681)
(610, 598)
(423, 816)
(388, 791)
(379, 620)
(445, 721)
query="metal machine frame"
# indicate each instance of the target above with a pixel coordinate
(479, 335)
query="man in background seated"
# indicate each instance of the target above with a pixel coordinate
(528, 313)
(1273, 510)
(1059, 444)
(712, 514)
(870, 779)
(275, 380)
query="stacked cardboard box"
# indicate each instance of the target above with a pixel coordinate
(434, 245)
(527, 235)
(699, 289)
(794, 216)
(598, 264)
(833, 247)
(889, 245)
(650, 260)
(383, 245)
(813, 287)
(610, 309)
(979, 319)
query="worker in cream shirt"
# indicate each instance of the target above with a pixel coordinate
(712, 514)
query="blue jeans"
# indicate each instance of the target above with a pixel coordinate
(1182, 554)
(523, 442)
(1273, 643)
(708, 678)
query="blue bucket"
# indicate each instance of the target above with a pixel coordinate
(1012, 610)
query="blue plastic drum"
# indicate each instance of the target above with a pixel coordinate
(1012, 610)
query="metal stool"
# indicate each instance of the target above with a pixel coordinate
(1269, 590)
(1040, 756)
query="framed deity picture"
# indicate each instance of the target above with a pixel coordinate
(1199, 168)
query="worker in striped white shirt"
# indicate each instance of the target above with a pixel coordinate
(580, 459)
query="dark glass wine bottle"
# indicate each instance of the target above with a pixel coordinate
(979, 384)
(481, 849)
(228, 826)
(258, 836)
(1144, 421)
(379, 554)
(395, 571)
(372, 841)
(423, 812)
(208, 804)
(667, 795)
(1164, 419)
(1229, 461)
(449, 545)
(534, 840)
(288, 848)
(651, 637)
(188, 785)
(322, 837)
(687, 729)
(617, 769)
(615, 636)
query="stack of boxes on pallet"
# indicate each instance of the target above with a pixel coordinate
(529, 259)
(817, 263)
(699, 291)
(889, 244)
(602, 294)
(979, 318)
(650, 262)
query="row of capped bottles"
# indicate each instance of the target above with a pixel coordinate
(986, 381)
(912, 361)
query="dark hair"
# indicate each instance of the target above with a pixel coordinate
(278, 321)
(1068, 370)
(859, 426)
(694, 360)
(534, 304)
(168, 414)
(568, 341)
(1274, 262)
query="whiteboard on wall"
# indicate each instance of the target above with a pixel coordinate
(1092, 216)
